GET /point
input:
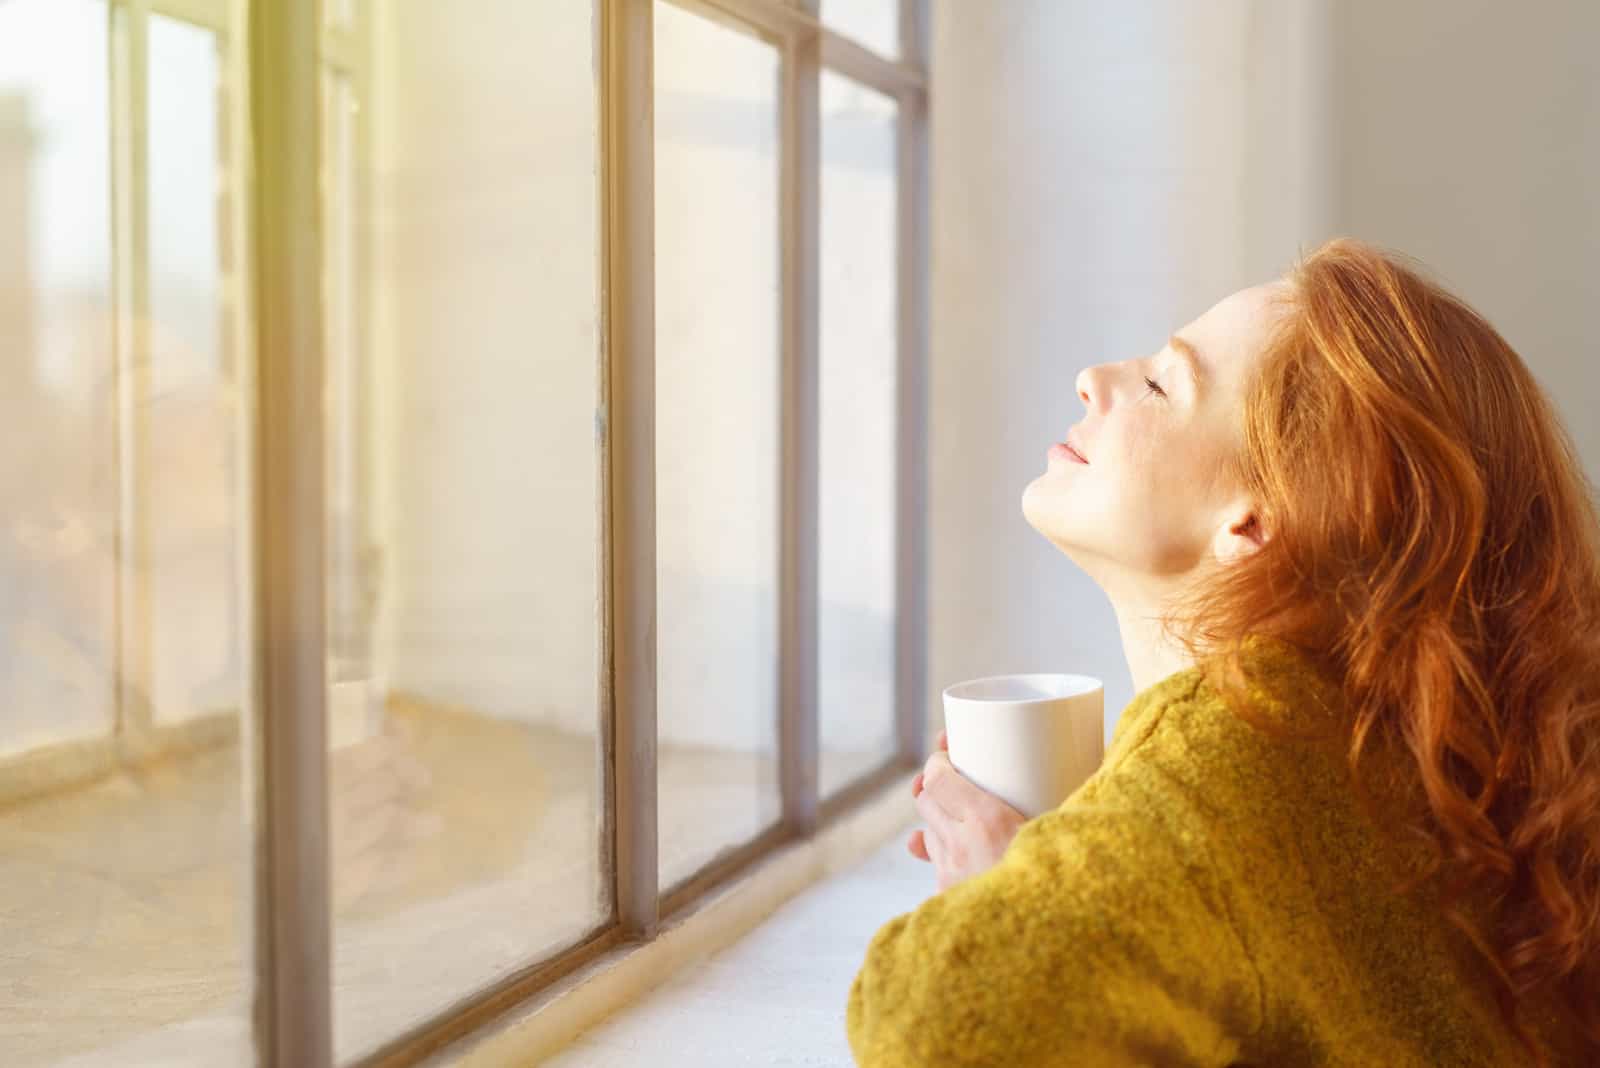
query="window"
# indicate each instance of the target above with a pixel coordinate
(859, 436)
(407, 601)
(874, 24)
(183, 408)
(465, 776)
(718, 440)
(125, 826)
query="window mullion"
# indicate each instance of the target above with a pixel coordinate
(800, 160)
(911, 462)
(293, 933)
(131, 295)
(214, 15)
(628, 467)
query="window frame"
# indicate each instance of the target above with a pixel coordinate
(289, 47)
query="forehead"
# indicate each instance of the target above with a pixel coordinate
(1233, 331)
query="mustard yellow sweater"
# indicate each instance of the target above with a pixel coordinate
(1211, 896)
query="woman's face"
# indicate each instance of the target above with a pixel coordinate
(1155, 497)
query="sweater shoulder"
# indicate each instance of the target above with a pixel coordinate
(1237, 753)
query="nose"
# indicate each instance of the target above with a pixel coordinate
(1089, 388)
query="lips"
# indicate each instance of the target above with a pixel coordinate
(1072, 444)
(1060, 451)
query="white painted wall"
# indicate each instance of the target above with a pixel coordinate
(1469, 135)
(1101, 174)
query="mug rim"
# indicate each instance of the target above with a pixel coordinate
(1097, 684)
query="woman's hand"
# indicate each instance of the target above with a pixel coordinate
(968, 828)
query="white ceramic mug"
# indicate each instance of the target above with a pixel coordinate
(1030, 740)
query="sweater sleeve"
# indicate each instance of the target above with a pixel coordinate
(1102, 937)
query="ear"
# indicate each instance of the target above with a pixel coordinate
(1242, 532)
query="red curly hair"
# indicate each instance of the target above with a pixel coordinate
(1435, 545)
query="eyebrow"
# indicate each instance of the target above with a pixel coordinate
(1191, 356)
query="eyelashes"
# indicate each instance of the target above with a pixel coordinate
(1154, 388)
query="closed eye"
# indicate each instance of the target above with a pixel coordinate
(1155, 388)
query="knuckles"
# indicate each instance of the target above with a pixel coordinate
(996, 824)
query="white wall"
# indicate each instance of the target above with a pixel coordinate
(1469, 135)
(1101, 174)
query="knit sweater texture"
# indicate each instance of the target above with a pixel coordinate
(1212, 895)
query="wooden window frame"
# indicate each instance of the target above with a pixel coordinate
(288, 719)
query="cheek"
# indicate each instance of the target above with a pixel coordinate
(1135, 462)
(1162, 477)
(1141, 502)
(1168, 501)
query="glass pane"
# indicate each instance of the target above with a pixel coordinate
(858, 483)
(717, 437)
(464, 575)
(193, 527)
(347, 470)
(57, 596)
(873, 23)
(124, 854)
(339, 13)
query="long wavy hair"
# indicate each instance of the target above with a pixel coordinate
(1434, 543)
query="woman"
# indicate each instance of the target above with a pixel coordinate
(1352, 815)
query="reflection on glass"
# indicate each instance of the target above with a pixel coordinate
(873, 23)
(348, 472)
(717, 443)
(123, 834)
(858, 483)
(464, 560)
(58, 494)
(192, 531)
(340, 13)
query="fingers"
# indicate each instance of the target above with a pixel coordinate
(941, 822)
(917, 783)
(954, 792)
(938, 856)
(923, 844)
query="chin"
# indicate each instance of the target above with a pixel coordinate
(1033, 505)
(1049, 513)
(1050, 524)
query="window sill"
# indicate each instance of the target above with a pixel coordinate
(782, 987)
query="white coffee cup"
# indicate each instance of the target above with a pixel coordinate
(1030, 740)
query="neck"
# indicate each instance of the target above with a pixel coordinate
(1151, 654)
